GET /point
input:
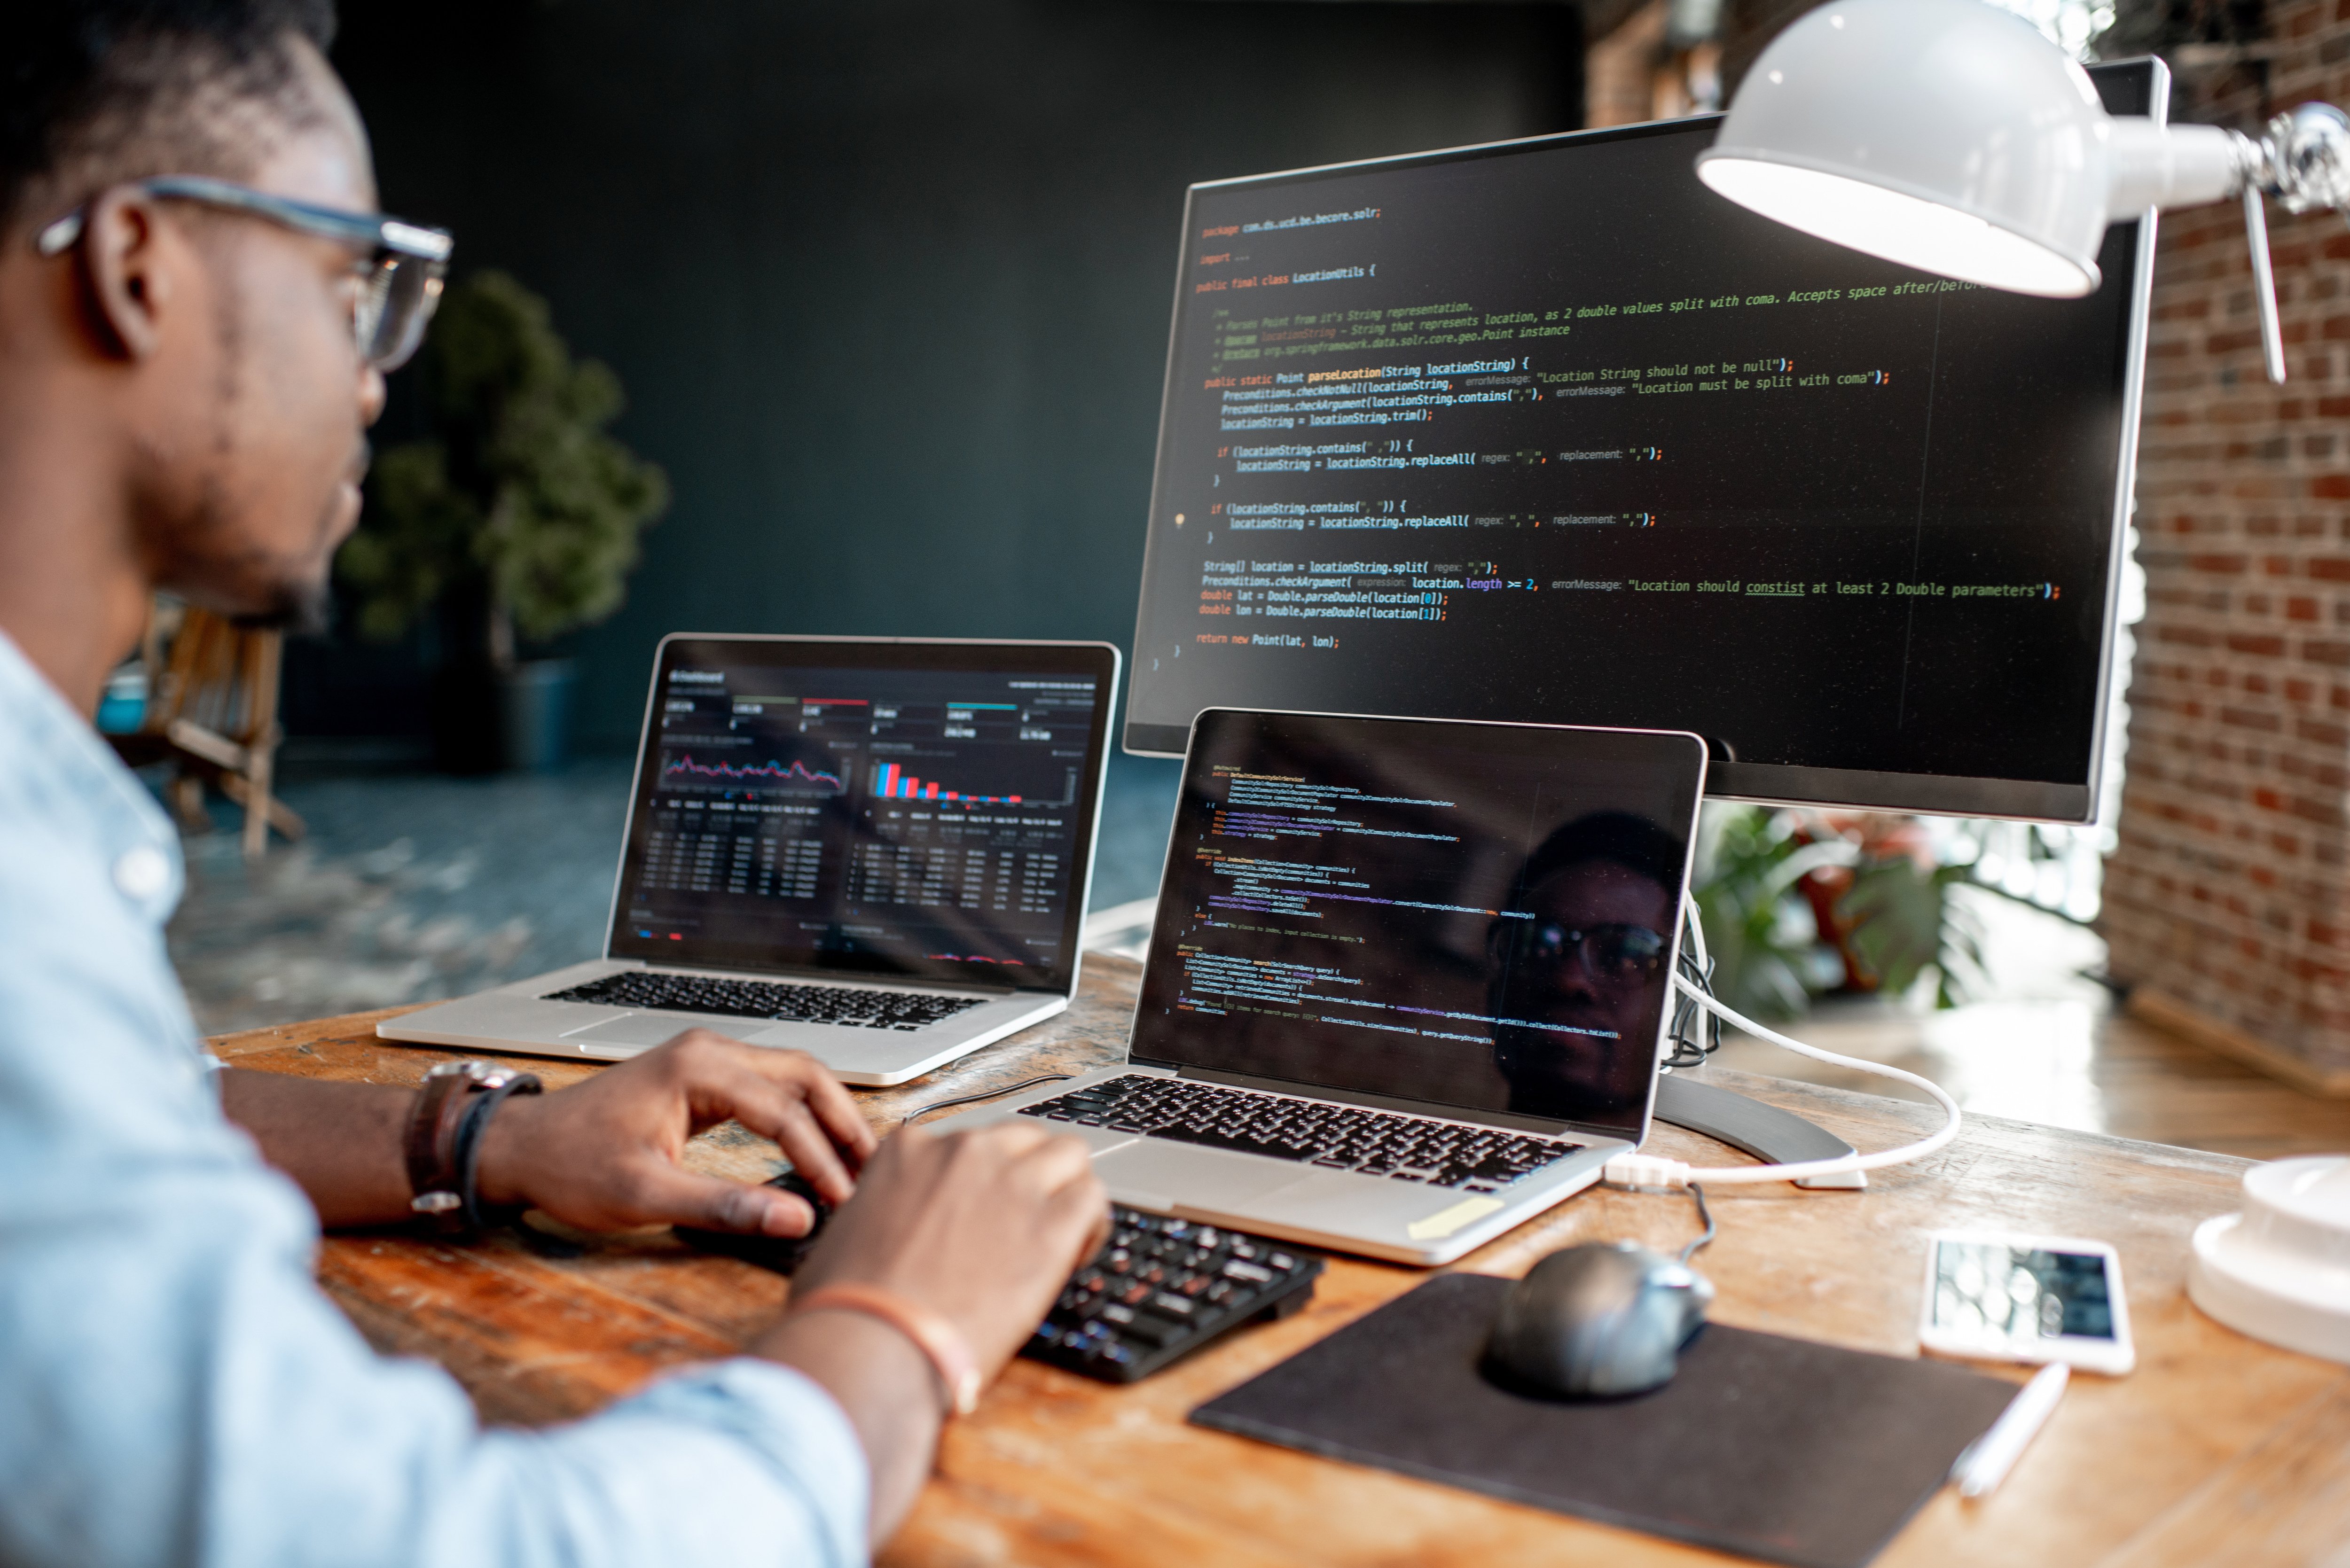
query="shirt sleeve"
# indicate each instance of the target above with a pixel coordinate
(174, 1388)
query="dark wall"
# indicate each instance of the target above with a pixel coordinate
(887, 284)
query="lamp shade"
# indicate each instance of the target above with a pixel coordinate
(1941, 134)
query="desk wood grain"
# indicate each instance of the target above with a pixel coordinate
(2218, 1448)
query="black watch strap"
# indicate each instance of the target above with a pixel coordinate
(470, 1131)
(442, 1138)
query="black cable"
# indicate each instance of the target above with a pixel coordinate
(1705, 1214)
(982, 1095)
(1696, 1032)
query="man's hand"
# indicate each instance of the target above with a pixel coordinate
(603, 1155)
(600, 1155)
(982, 1227)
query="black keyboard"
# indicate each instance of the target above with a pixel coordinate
(842, 1006)
(1156, 1291)
(1161, 1288)
(1310, 1132)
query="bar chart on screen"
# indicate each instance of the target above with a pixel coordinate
(891, 781)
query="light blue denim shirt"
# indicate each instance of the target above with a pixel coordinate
(174, 1388)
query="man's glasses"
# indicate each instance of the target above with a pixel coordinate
(399, 278)
(1611, 955)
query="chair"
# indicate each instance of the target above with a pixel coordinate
(211, 713)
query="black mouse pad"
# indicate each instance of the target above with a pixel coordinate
(1777, 1449)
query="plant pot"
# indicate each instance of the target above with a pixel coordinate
(535, 713)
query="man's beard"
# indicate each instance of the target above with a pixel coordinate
(307, 609)
(304, 609)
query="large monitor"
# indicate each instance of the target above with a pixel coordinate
(1546, 430)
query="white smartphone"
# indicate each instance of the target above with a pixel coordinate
(2000, 1297)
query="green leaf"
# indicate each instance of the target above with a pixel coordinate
(1893, 916)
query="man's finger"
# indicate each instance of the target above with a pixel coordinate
(711, 1203)
(812, 1154)
(836, 1110)
(1009, 1138)
(775, 1110)
(1058, 1161)
(802, 1078)
(742, 1076)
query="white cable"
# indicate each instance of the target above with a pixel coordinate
(1696, 924)
(1653, 1171)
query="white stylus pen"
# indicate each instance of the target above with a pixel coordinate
(1988, 1458)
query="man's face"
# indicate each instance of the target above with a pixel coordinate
(1587, 960)
(259, 402)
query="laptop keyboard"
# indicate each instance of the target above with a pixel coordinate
(842, 1006)
(1310, 1132)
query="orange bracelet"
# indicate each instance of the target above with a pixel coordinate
(941, 1343)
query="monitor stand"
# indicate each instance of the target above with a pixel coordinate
(1766, 1132)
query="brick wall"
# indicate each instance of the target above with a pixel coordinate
(1619, 69)
(2226, 898)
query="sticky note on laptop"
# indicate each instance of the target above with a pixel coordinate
(1445, 1221)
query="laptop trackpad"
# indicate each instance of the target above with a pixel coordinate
(658, 1028)
(1156, 1175)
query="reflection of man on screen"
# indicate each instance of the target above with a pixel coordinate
(1578, 961)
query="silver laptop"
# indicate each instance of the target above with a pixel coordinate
(875, 850)
(1409, 982)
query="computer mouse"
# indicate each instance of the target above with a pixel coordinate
(781, 1254)
(1601, 1320)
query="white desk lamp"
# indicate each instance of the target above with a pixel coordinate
(1950, 136)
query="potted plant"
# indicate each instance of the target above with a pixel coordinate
(516, 520)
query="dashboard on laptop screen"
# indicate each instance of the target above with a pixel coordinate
(1474, 915)
(903, 809)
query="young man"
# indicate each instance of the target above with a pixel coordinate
(186, 374)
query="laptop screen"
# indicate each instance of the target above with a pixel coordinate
(1481, 916)
(904, 809)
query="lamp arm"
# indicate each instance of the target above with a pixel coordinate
(2256, 236)
(2155, 165)
(2302, 161)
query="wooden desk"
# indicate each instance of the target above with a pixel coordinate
(2217, 1449)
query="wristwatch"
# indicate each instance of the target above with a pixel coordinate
(443, 1137)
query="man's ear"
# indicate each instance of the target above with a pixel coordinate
(128, 264)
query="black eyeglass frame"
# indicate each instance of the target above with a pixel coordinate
(1580, 948)
(410, 260)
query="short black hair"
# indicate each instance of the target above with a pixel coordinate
(93, 92)
(1635, 843)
